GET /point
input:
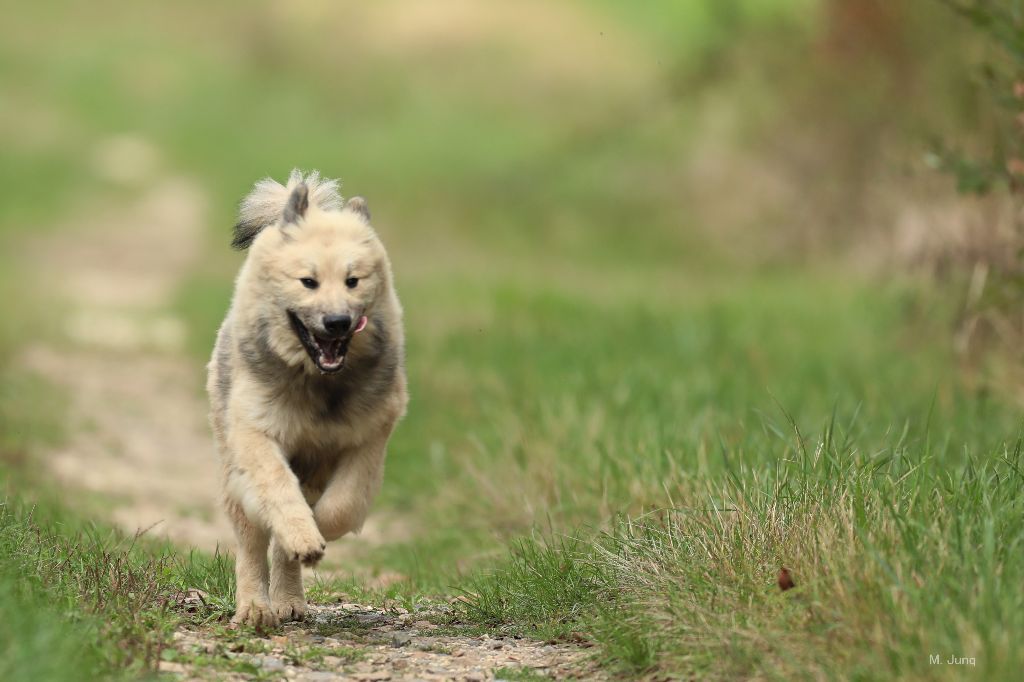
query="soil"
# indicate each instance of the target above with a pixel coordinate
(359, 642)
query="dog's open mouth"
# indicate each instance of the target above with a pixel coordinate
(327, 353)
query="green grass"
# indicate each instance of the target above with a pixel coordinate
(83, 601)
(895, 555)
(676, 457)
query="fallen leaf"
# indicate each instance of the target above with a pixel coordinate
(786, 580)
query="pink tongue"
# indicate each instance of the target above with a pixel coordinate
(362, 324)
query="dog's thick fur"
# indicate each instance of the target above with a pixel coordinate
(302, 438)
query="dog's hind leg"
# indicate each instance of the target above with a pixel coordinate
(252, 601)
(286, 595)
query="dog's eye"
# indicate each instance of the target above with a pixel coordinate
(309, 282)
(351, 282)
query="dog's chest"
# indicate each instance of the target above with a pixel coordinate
(323, 415)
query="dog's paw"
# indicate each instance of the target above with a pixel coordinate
(303, 543)
(257, 613)
(289, 609)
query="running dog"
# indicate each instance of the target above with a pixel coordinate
(306, 384)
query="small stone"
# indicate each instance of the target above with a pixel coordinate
(272, 663)
(368, 618)
(400, 639)
(318, 677)
(424, 624)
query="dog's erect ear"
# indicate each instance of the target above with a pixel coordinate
(358, 205)
(297, 204)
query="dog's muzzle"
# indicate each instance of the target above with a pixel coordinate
(327, 352)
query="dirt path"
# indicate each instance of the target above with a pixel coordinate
(137, 433)
(359, 642)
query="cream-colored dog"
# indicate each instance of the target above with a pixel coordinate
(306, 384)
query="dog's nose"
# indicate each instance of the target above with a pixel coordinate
(337, 324)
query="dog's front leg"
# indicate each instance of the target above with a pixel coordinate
(345, 502)
(252, 601)
(261, 481)
(286, 593)
(264, 499)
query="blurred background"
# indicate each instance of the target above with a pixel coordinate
(623, 233)
(669, 133)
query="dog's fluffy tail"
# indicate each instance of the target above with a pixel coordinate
(264, 205)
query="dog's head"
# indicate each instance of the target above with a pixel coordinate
(318, 279)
